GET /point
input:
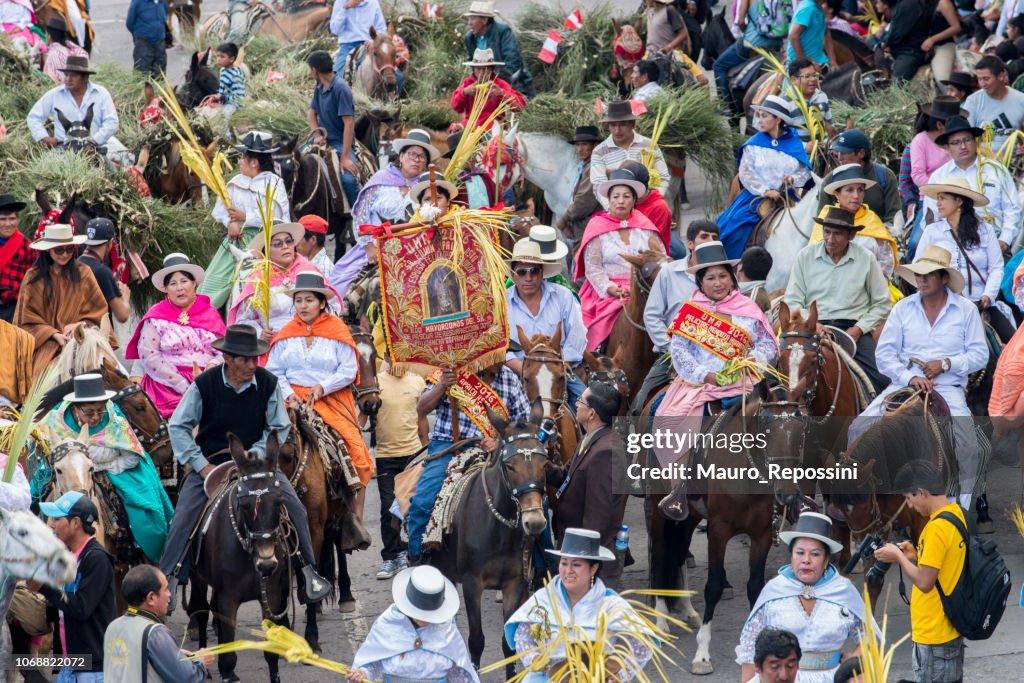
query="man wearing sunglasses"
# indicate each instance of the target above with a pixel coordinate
(537, 306)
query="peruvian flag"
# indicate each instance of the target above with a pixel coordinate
(549, 50)
(431, 10)
(574, 21)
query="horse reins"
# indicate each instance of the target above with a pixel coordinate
(507, 452)
(643, 288)
(150, 442)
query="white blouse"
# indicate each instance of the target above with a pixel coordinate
(986, 257)
(382, 203)
(246, 193)
(882, 251)
(327, 362)
(763, 169)
(604, 257)
(693, 362)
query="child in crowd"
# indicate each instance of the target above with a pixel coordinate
(232, 78)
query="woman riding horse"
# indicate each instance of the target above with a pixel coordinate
(610, 235)
(771, 162)
(317, 361)
(174, 338)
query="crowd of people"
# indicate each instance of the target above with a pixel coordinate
(217, 355)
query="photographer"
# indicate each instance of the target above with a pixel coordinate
(938, 654)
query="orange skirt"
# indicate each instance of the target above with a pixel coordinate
(339, 411)
(1008, 380)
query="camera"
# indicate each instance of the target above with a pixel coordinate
(866, 550)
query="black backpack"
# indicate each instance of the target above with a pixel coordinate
(976, 604)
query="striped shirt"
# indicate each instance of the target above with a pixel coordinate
(608, 156)
(509, 390)
(819, 100)
(908, 190)
(232, 85)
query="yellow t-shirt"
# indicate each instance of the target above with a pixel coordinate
(397, 419)
(941, 547)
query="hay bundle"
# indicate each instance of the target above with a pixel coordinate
(887, 118)
(436, 49)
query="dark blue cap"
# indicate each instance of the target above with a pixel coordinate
(850, 141)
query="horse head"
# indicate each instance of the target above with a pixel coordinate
(140, 411)
(646, 265)
(601, 368)
(367, 391)
(87, 348)
(544, 371)
(800, 357)
(78, 134)
(258, 502)
(30, 550)
(200, 81)
(383, 56)
(523, 457)
(72, 466)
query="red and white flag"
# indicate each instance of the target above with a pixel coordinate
(574, 21)
(431, 10)
(549, 50)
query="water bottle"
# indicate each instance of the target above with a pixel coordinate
(622, 542)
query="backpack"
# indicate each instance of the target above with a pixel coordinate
(772, 17)
(976, 604)
(881, 177)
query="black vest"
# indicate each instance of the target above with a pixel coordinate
(244, 414)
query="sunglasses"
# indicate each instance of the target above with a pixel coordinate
(532, 270)
(277, 244)
(91, 412)
(63, 250)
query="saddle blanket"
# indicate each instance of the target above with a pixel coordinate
(456, 479)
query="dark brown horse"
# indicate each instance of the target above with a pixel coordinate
(601, 368)
(498, 517)
(243, 554)
(170, 178)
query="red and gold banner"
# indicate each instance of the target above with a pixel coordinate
(441, 310)
(475, 396)
(717, 335)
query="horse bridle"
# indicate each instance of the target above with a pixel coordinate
(642, 273)
(811, 343)
(359, 392)
(246, 539)
(150, 442)
(506, 451)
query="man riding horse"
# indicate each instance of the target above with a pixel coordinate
(77, 101)
(242, 398)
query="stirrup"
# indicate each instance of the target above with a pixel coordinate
(317, 587)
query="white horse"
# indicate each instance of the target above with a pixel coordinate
(789, 233)
(85, 351)
(550, 161)
(28, 550)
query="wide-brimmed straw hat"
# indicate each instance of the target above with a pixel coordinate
(551, 248)
(89, 389)
(257, 142)
(423, 593)
(957, 124)
(944, 107)
(77, 64)
(483, 57)
(177, 263)
(622, 176)
(812, 525)
(310, 281)
(583, 544)
(423, 184)
(529, 252)
(778, 107)
(480, 8)
(957, 186)
(847, 174)
(57, 235)
(711, 254)
(934, 258)
(618, 111)
(241, 340)
(419, 138)
(838, 217)
(296, 230)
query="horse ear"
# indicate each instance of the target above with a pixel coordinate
(556, 338)
(655, 243)
(615, 27)
(194, 63)
(524, 341)
(812, 314)
(373, 33)
(391, 30)
(537, 410)
(273, 451)
(87, 121)
(43, 201)
(634, 261)
(619, 356)
(783, 315)
(83, 436)
(196, 370)
(143, 159)
(590, 360)
(65, 124)
(849, 123)
(79, 333)
(499, 423)
(238, 453)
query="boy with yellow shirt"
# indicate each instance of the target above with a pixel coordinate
(938, 655)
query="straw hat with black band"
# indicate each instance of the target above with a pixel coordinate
(296, 230)
(528, 252)
(480, 8)
(57, 235)
(417, 137)
(957, 186)
(583, 544)
(812, 525)
(777, 107)
(177, 263)
(838, 218)
(483, 57)
(423, 185)
(954, 125)
(310, 281)
(934, 258)
(848, 174)
(257, 142)
(89, 389)
(424, 594)
(551, 248)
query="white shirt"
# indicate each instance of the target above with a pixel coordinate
(1003, 210)
(327, 362)
(646, 91)
(557, 304)
(323, 262)
(246, 193)
(104, 114)
(986, 257)
(957, 335)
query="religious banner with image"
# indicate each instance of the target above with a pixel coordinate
(441, 307)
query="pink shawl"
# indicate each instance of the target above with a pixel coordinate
(600, 311)
(686, 400)
(201, 316)
(277, 278)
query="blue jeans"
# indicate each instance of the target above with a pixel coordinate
(730, 59)
(427, 488)
(349, 183)
(676, 248)
(574, 387)
(69, 675)
(343, 50)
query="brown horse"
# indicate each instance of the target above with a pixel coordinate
(183, 16)
(377, 66)
(629, 332)
(294, 27)
(545, 377)
(499, 515)
(171, 179)
(601, 368)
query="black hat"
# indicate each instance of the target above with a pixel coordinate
(99, 231)
(257, 142)
(944, 107)
(76, 64)
(618, 110)
(89, 389)
(57, 23)
(584, 544)
(837, 217)
(453, 142)
(711, 254)
(587, 134)
(9, 203)
(957, 124)
(241, 340)
(962, 80)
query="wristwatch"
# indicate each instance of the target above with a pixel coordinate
(945, 365)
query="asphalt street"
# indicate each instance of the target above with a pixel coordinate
(999, 659)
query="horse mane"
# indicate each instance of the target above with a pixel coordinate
(77, 357)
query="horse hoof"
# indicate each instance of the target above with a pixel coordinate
(314, 645)
(693, 621)
(702, 668)
(691, 561)
(347, 606)
(498, 597)
(193, 634)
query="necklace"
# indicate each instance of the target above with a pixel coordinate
(807, 593)
(183, 318)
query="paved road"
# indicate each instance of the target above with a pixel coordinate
(998, 659)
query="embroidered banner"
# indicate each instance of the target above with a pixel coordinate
(720, 337)
(439, 312)
(475, 396)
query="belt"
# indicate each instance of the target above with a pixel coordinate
(388, 678)
(820, 660)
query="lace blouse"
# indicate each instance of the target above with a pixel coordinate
(604, 257)
(882, 252)
(382, 203)
(165, 345)
(326, 362)
(762, 169)
(693, 362)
